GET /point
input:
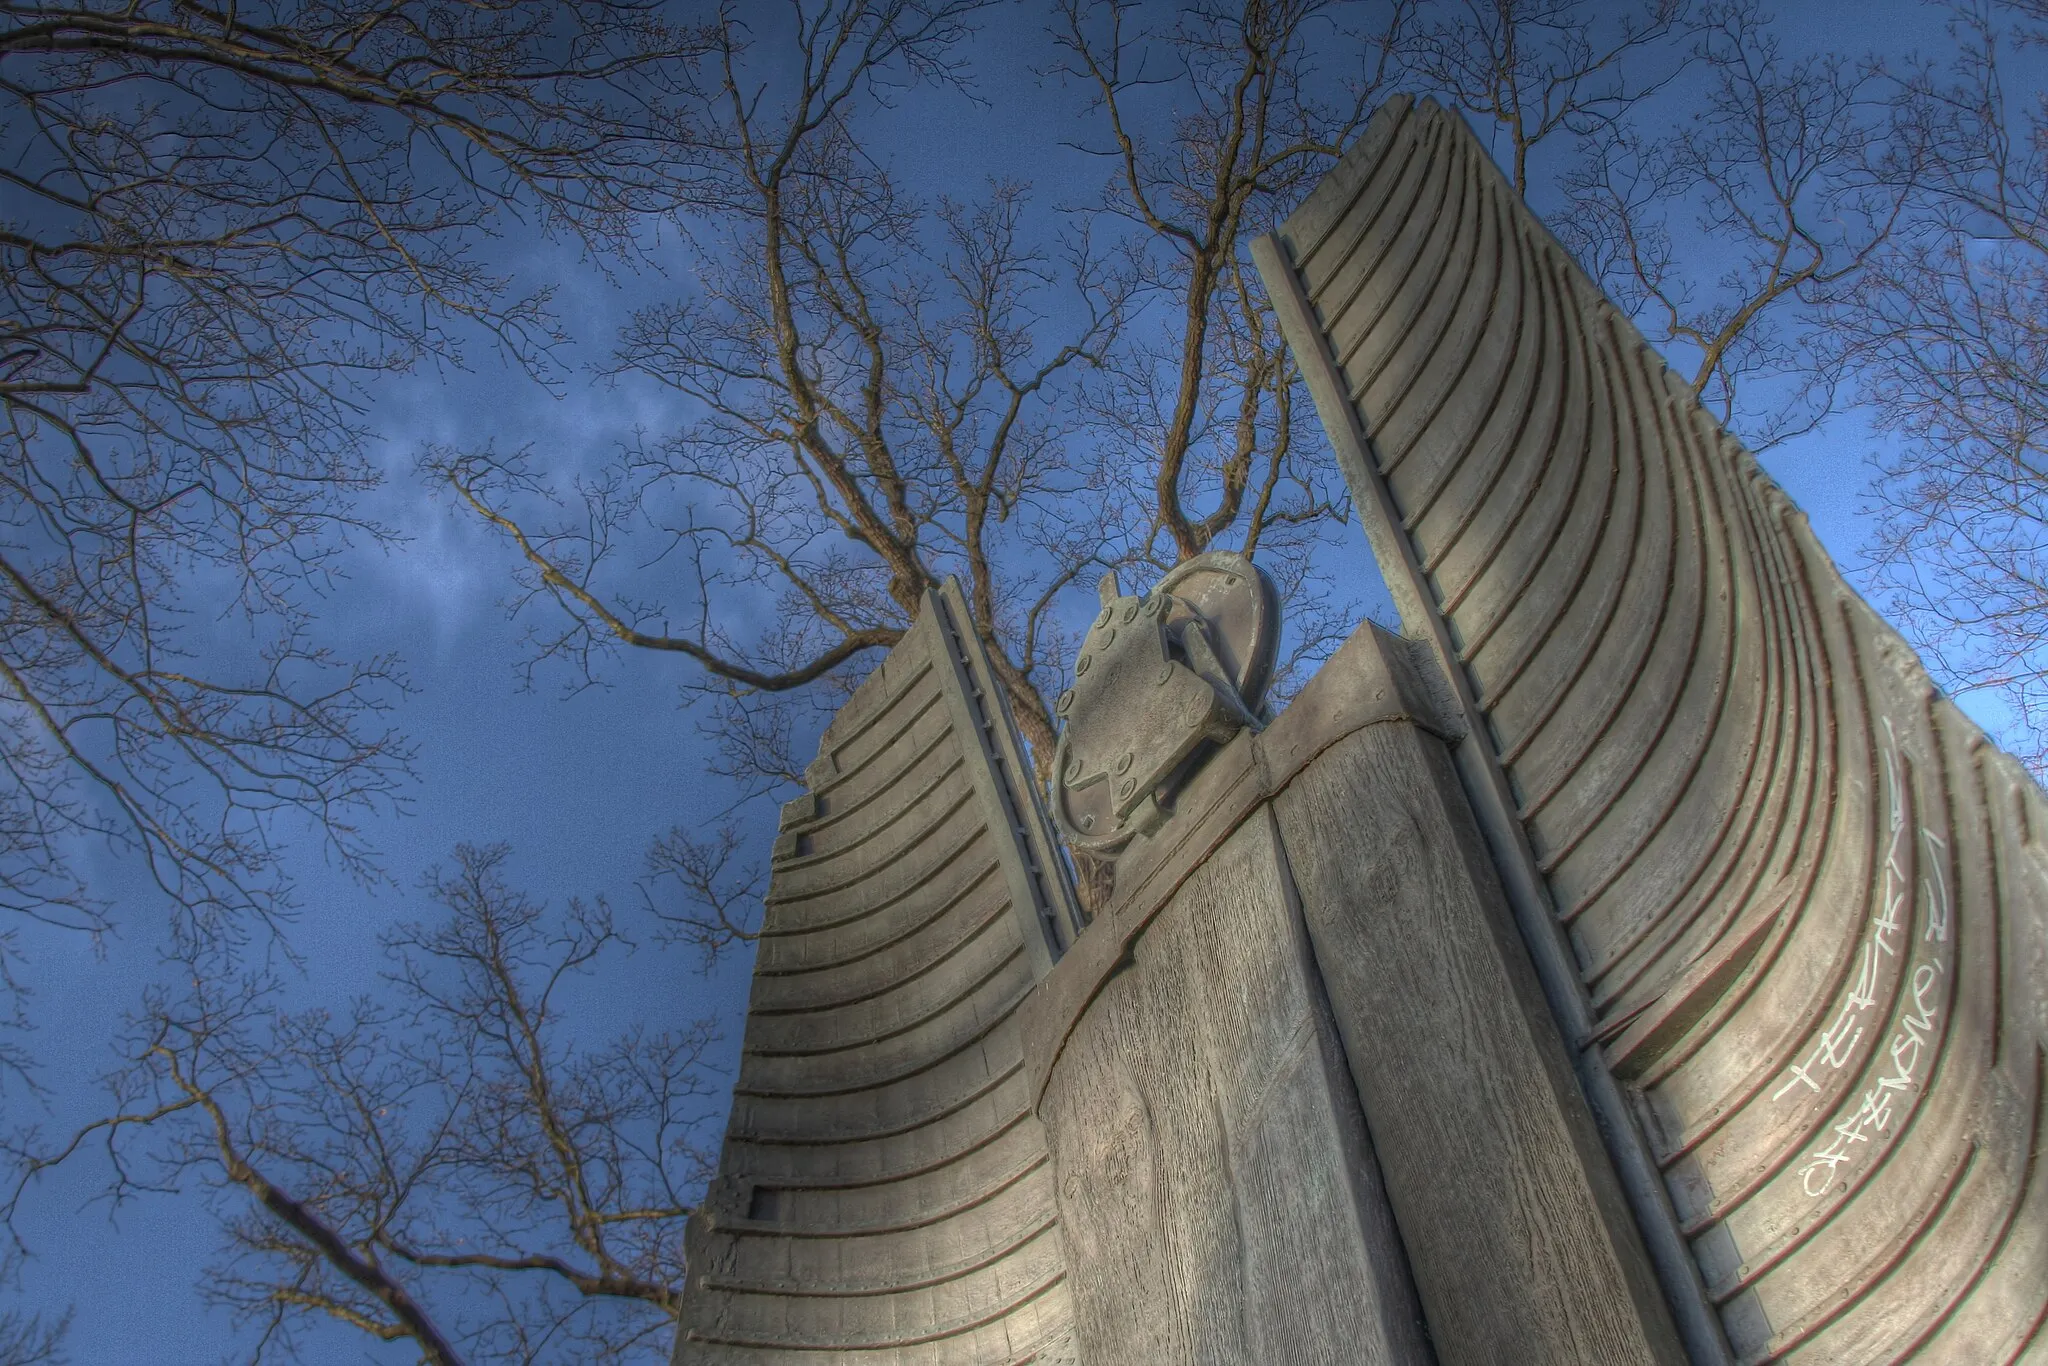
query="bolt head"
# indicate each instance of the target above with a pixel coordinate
(1123, 762)
(1080, 666)
(1065, 704)
(1125, 788)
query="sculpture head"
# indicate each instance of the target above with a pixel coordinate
(1161, 681)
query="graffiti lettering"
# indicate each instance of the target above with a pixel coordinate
(1874, 1113)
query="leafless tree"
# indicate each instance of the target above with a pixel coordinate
(1730, 234)
(1951, 332)
(894, 390)
(1215, 120)
(1244, 133)
(877, 378)
(446, 1166)
(881, 377)
(890, 390)
(702, 892)
(1535, 72)
(219, 223)
(30, 1339)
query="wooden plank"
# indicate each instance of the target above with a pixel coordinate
(1372, 678)
(1522, 1248)
(885, 1193)
(1783, 898)
(1021, 804)
(1216, 1187)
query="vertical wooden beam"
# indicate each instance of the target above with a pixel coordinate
(1522, 1247)
(1040, 891)
(1493, 805)
(1217, 1190)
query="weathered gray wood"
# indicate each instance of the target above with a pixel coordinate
(1571, 1284)
(1521, 1246)
(1217, 1190)
(885, 1194)
(1375, 173)
(1039, 890)
(1787, 902)
(1372, 678)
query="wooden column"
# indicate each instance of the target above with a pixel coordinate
(1300, 1071)
(1215, 1184)
(1521, 1241)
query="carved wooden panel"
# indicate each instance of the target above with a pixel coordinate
(1219, 1195)
(1784, 892)
(884, 1193)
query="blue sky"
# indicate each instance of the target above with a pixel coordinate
(579, 786)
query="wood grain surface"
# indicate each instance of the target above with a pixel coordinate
(1218, 1192)
(1521, 1246)
(1786, 900)
(884, 1193)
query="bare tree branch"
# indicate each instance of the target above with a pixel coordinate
(1950, 333)
(877, 378)
(30, 1339)
(220, 225)
(1254, 121)
(1777, 168)
(1529, 70)
(459, 1149)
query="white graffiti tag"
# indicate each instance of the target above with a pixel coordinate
(1909, 1053)
(1837, 1044)
(1935, 888)
(1876, 1112)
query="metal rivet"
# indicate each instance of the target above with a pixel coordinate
(1103, 620)
(1130, 611)
(1108, 638)
(1066, 701)
(1074, 765)
(1124, 788)
(1080, 666)
(1123, 762)
(1165, 675)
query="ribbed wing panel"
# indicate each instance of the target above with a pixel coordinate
(885, 1192)
(1804, 897)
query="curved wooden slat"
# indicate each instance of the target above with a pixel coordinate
(885, 1192)
(1789, 903)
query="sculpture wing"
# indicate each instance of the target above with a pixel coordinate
(885, 1193)
(1789, 902)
